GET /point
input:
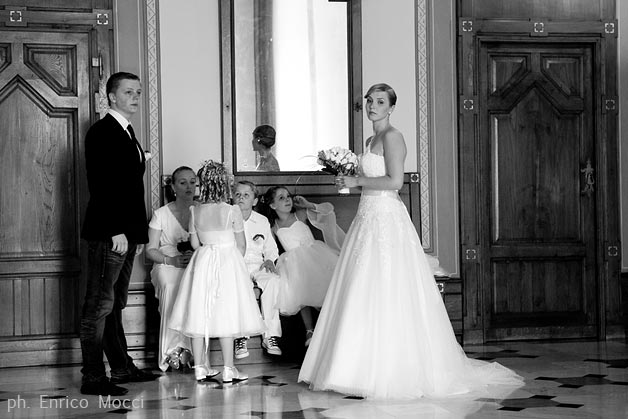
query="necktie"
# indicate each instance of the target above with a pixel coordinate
(129, 128)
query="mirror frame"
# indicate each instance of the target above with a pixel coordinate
(354, 96)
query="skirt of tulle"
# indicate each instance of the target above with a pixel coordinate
(216, 296)
(383, 331)
(305, 273)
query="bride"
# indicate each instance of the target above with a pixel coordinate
(383, 330)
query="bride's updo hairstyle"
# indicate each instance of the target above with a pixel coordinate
(265, 135)
(214, 180)
(383, 87)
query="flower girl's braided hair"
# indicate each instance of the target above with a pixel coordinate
(214, 182)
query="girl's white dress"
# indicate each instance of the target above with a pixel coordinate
(216, 295)
(166, 280)
(307, 265)
(383, 331)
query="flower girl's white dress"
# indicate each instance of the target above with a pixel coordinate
(307, 265)
(383, 331)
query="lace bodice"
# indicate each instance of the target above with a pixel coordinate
(383, 208)
(298, 234)
(372, 165)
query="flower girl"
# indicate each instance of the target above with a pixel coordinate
(307, 265)
(215, 297)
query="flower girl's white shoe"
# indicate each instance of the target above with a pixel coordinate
(202, 372)
(230, 374)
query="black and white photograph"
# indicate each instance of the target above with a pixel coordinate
(283, 209)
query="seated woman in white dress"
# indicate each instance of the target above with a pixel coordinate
(169, 248)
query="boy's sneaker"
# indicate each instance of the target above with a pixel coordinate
(240, 349)
(271, 346)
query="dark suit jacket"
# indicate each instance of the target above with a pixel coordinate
(115, 177)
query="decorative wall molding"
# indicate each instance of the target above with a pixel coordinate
(423, 131)
(154, 128)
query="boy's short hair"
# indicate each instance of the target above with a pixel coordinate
(250, 185)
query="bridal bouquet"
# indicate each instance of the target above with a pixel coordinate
(338, 161)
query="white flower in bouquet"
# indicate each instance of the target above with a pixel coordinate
(338, 161)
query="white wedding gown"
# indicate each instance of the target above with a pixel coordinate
(383, 330)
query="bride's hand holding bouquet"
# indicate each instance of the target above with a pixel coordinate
(341, 163)
(347, 181)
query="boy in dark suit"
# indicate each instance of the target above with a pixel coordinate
(116, 229)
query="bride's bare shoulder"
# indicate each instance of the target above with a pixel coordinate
(393, 132)
(393, 138)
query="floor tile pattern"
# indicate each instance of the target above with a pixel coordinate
(562, 380)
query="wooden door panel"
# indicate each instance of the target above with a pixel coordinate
(537, 121)
(565, 72)
(40, 218)
(39, 306)
(506, 71)
(557, 9)
(55, 65)
(537, 286)
(44, 111)
(5, 55)
(530, 204)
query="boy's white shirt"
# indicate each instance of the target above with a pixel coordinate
(257, 251)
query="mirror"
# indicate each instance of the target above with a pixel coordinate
(290, 64)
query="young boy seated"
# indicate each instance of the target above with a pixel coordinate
(261, 253)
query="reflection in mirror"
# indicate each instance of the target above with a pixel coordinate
(290, 72)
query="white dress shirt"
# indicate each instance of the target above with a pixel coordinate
(124, 123)
(260, 243)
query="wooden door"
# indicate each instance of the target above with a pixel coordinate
(539, 219)
(538, 170)
(46, 106)
(537, 127)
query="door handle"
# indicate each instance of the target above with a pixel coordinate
(589, 180)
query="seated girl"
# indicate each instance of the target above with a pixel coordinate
(307, 265)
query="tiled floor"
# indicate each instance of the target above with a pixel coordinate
(563, 380)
